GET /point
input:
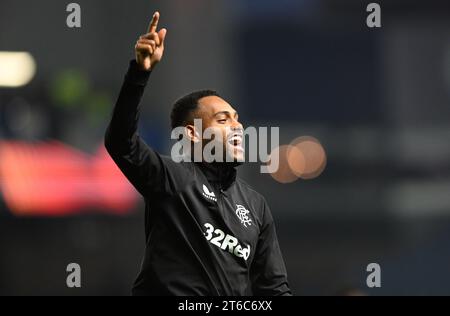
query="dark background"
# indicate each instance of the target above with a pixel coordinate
(377, 100)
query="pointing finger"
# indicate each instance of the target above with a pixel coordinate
(154, 23)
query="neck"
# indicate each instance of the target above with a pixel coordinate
(222, 173)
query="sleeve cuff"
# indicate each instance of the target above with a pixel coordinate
(135, 75)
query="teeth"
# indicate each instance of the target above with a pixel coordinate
(235, 139)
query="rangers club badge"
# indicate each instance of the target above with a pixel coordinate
(242, 214)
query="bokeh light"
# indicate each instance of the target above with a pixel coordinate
(314, 156)
(303, 158)
(283, 173)
(17, 69)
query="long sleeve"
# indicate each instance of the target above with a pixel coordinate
(268, 272)
(142, 166)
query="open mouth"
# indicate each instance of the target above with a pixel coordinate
(235, 140)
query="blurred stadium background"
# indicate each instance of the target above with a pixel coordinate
(376, 99)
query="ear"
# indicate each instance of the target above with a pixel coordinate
(192, 133)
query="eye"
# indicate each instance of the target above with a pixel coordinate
(222, 121)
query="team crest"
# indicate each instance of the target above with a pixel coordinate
(242, 213)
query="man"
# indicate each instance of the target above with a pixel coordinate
(207, 232)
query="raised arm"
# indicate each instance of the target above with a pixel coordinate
(142, 166)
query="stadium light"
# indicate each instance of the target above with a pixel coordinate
(16, 69)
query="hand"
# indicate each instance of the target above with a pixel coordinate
(150, 47)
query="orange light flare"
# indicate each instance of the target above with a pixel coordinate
(283, 173)
(314, 156)
(303, 158)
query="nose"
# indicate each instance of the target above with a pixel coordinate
(236, 125)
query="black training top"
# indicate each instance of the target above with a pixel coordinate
(207, 232)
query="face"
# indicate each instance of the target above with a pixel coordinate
(219, 115)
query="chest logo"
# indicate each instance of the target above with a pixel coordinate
(242, 214)
(226, 242)
(209, 194)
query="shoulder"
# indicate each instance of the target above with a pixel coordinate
(178, 173)
(250, 190)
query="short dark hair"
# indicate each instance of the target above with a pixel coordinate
(184, 106)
